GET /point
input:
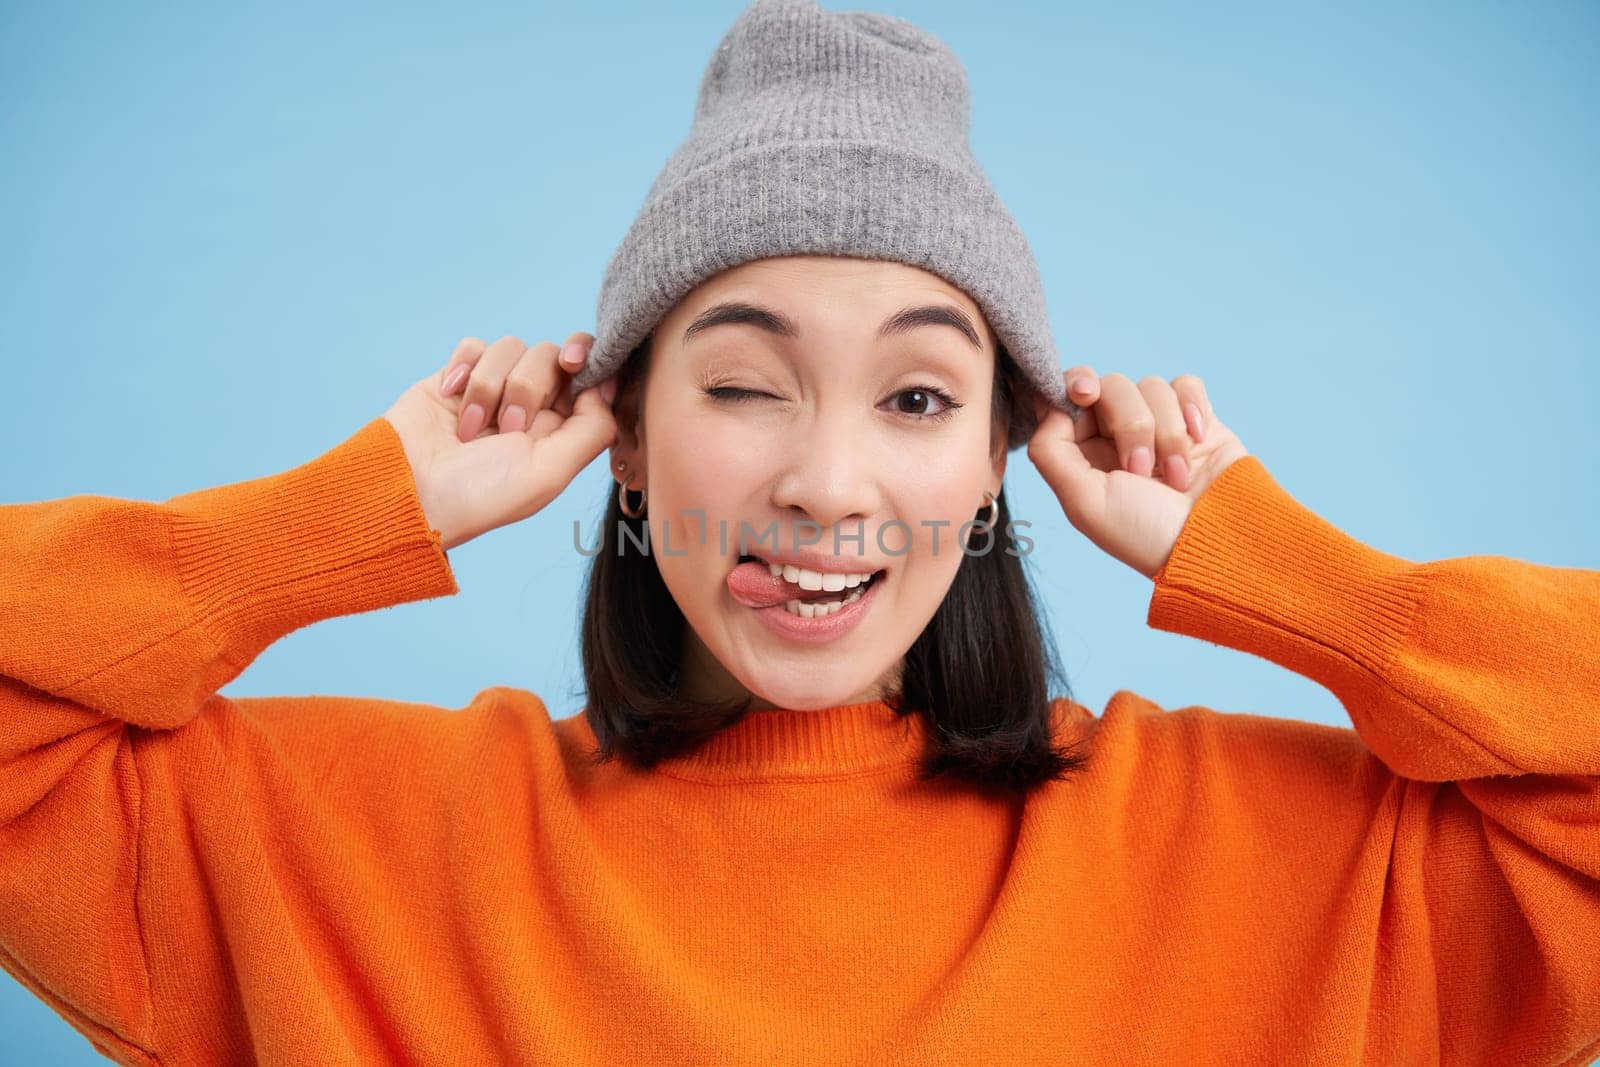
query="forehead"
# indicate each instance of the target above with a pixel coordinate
(834, 281)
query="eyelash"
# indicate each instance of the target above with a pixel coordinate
(740, 396)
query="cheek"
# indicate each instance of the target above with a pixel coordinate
(693, 489)
(695, 468)
(708, 476)
(936, 500)
(941, 486)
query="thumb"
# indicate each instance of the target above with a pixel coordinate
(1078, 486)
(582, 435)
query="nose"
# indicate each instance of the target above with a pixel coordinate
(831, 478)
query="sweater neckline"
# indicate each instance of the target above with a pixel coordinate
(790, 743)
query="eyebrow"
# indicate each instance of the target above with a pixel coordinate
(776, 322)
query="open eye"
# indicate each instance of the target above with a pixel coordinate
(920, 397)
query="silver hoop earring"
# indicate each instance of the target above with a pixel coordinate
(622, 501)
(994, 509)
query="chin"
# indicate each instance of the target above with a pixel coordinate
(804, 695)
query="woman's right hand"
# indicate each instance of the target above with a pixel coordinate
(478, 463)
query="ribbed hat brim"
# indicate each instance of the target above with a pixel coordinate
(744, 187)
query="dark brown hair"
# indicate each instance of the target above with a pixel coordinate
(979, 673)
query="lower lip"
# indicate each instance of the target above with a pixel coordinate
(819, 631)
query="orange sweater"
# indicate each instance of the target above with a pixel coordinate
(193, 879)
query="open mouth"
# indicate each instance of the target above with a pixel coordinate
(821, 602)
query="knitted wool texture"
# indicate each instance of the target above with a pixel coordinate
(838, 133)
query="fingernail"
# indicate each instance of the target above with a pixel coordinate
(1177, 471)
(513, 418)
(1080, 385)
(572, 355)
(472, 420)
(608, 389)
(453, 379)
(1197, 425)
(1140, 462)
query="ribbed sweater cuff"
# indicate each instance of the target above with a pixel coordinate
(1257, 571)
(341, 534)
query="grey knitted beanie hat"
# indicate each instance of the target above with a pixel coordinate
(830, 133)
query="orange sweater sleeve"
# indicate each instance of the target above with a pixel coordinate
(119, 621)
(1474, 684)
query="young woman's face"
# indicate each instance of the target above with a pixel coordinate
(811, 432)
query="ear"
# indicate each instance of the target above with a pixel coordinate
(629, 448)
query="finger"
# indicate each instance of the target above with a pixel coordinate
(1125, 416)
(484, 385)
(1195, 404)
(545, 422)
(1172, 439)
(562, 404)
(1083, 389)
(573, 444)
(1044, 410)
(530, 387)
(467, 352)
(1083, 384)
(576, 351)
(1101, 452)
(584, 342)
(1068, 471)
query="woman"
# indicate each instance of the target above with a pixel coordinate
(756, 428)
(867, 837)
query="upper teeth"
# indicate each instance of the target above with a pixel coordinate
(814, 580)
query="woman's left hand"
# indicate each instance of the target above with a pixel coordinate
(1129, 471)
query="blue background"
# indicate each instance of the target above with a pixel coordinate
(232, 237)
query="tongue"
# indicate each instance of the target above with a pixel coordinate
(754, 585)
